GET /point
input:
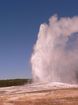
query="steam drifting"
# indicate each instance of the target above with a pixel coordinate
(55, 54)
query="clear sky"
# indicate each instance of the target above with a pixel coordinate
(19, 25)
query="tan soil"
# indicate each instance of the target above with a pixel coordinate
(50, 97)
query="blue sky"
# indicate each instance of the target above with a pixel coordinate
(19, 25)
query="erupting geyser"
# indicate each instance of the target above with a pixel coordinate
(55, 54)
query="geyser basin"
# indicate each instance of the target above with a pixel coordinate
(39, 93)
(55, 54)
(35, 87)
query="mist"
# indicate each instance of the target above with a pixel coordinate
(55, 53)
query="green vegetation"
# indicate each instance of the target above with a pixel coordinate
(14, 82)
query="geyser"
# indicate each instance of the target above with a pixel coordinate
(55, 54)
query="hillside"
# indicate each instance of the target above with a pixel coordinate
(14, 82)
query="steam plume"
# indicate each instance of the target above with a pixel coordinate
(55, 54)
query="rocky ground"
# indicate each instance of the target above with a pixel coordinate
(65, 96)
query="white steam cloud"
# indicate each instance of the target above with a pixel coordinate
(55, 54)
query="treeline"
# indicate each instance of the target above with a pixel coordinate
(14, 82)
